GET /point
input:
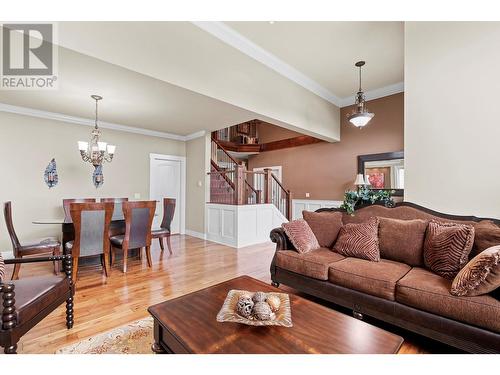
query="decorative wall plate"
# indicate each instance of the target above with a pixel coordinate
(50, 176)
(282, 317)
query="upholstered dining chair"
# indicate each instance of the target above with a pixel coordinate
(91, 222)
(67, 202)
(138, 221)
(31, 248)
(165, 230)
(118, 204)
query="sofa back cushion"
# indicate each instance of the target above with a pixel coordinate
(301, 235)
(447, 247)
(480, 276)
(402, 240)
(359, 240)
(325, 226)
(487, 234)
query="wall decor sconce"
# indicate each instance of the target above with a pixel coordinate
(98, 177)
(50, 176)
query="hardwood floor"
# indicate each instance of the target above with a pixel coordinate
(104, 303)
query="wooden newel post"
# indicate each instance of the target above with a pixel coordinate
(289, 205)
(268, 186)
(239, 184)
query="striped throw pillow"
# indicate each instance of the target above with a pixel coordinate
(2, 268)
(359, 240)
(447, 247)
(301, 235)
(480, 276)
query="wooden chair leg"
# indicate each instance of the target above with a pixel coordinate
(125, 257)
(15, 272)
(69, 313)
(160, 240)
(56, 252)
(148, 256)
(168, 245)
(75, 269)
(105, 258)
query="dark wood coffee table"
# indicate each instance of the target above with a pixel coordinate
(188, 325)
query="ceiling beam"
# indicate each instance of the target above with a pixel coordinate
(301, 140)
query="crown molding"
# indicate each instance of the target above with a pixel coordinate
(231, 37)
(195, 135)
(249, 48)
(375, 94)
(89, 122)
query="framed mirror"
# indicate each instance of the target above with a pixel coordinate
(384, 171)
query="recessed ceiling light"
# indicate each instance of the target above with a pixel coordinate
(271, 22)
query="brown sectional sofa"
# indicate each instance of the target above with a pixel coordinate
(405, 295)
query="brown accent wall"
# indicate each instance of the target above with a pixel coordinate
(326, 170)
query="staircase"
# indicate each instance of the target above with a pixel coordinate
(231, 183)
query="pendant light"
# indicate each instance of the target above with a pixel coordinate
(360, 116)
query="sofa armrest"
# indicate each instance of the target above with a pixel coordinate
(279, 237)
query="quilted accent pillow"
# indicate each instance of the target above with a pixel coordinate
(325, 226)
(359, 240)
(301, 235)
(480, 276)
(447, 247)
(2, 268)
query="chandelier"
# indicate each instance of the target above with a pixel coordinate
(360, 116)
(96, 152)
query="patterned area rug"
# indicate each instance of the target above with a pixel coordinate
(133, 338)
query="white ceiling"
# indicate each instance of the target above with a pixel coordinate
(136, 67)
(326, 51)
(130, 98)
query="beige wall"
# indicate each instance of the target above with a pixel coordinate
(452, 135)
(326, 170)
(26, 146)
(197, 155)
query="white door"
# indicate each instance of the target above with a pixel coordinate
(166, 181)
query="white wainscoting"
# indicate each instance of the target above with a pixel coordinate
(298, 205)
(240, 226)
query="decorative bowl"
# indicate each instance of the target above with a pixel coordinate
(282, 317)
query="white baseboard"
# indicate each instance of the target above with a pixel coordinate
(193, 233)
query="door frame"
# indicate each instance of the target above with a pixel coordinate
(182, 160)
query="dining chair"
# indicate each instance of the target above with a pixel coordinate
(165, 230)
(67, 202)
(118, 205)
(28, 301)
(91, 222)
(114, 200)
(138, 220)
(31, 248)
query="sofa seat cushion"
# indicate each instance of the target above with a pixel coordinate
(313, 264)
(430, 292)
(375, 278)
